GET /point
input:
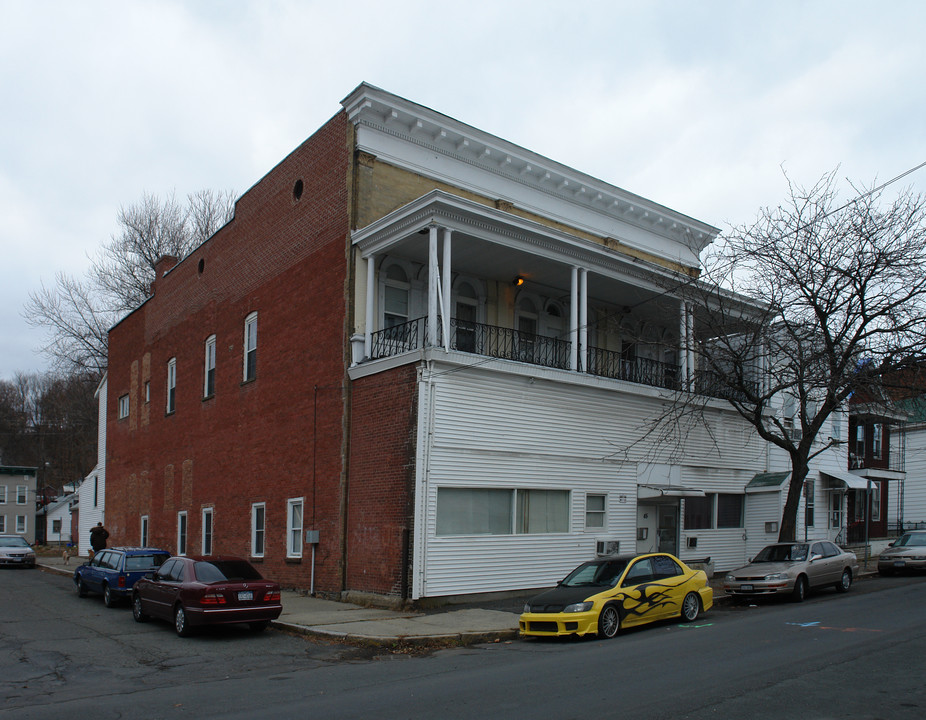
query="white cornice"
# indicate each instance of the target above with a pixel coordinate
(387, 114)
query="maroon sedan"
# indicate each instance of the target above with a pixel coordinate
(194, 591)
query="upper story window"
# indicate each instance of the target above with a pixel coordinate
(860, 441)
(2, 494)
(123, 407)
(877, 439)
(171, 385)
(22, 494)
(209, 369)
(395, 296)
(250, 347)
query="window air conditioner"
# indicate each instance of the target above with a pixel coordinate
(607, 546)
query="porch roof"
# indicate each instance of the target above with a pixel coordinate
(767, 482)
(651, 491)
(850, 480)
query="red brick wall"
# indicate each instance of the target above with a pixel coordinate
(382, 478)
(250, 442)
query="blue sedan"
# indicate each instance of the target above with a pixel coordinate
(113, 572)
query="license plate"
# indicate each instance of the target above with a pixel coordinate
(745, 587)
(245, 595)
(900, 563)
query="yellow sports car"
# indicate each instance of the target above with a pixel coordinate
(609, 593)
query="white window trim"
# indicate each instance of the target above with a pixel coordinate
(202, 539)
(210, 345)
(185, 534)
(2, 523)
(291, 550)
(25, 524)
(248, 321)
(143, 530)
(603, 512)
(123, 406)
(254, 507)
(22, 491)
(171, 384)
(2, 494)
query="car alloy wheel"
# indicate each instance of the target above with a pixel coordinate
(845, 582)
(109, 600)
(136, 609)
(691, 607)
(180, 622)
(81, 588)
(800, 589)
(609, 622)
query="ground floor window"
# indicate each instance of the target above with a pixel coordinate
(2, 523)
(181, 533)
(21, 524)
(258, 520)
(730, 510)
(294, 528)
(595, 512)
(144, 531)
(207, 531)
(809, 502)
(484, 511)
(875, 500)
(699, 513)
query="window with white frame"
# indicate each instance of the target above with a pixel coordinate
(22, 494)
(2, 523)
(2, 494)
(395, 296)
(836, 420)
(181, 533)
(294, 528)
(258, 527)
(809, 503)
(21, 524)
(860, 442)
(730, 510)
(143, 535)
(485, 511)
(875, 500)
(595, 516)
(207, 531)
(209, 369)
(250, 347)
(877, 438)
(171, 385)
(123, 407)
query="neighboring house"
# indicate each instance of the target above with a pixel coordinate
(913, 507)
(423, 361)
(17, 501)
(57, 520)
(91, 492)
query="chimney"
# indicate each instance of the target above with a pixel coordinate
(164, 265)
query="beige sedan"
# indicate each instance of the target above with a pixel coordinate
(793, 569)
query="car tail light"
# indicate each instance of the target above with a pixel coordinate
(272, 596)
(212, 598)
(122, 581)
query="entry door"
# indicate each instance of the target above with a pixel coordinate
(647, 536)
(668, 529)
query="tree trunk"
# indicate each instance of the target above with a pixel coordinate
(788, 529)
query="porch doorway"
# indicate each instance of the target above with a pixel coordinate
(657, 528)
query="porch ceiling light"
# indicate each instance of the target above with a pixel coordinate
(518, 281)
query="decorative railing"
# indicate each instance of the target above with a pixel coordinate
(510, 344)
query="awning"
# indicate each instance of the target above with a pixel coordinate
(767, 482)
(650, 492)
(850, 480)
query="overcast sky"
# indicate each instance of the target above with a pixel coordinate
(695, 105)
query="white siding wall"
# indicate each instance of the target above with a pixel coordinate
(512, 431)
(92, 491)
(914, 508)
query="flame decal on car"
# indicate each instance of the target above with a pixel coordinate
(645, 598)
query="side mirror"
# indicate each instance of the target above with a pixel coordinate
(891, 544)
(814, 558)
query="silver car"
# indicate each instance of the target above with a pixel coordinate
(908, 552)
(14, 550)
(793, 569)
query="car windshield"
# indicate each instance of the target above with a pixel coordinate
(144, 562)
(782, 553)
(599, 574)
(13, 542)
(219, 570)
(911, 540)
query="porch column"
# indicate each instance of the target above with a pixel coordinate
(583, 319)
(683, 342)
(433, 279)
(689, 319)
(447, 301)
(371, 289)
(574, 320)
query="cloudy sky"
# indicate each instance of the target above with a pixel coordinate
(696, 105)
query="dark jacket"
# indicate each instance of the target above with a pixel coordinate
(98, 535)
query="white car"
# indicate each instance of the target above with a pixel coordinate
(908, 552)
(14, 550)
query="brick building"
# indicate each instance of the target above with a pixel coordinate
(419, 362)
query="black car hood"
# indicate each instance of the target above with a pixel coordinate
(559, 597)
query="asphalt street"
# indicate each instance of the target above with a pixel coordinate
(859, 655)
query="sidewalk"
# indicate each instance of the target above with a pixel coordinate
(333, 620)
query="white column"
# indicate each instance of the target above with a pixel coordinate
(689, 315)
(683, 343)
(447, 301)
(433, 279)
(583, 318)
(370, 324)
(574, 320)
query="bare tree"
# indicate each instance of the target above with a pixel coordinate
(77, 313)
(836, 303)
